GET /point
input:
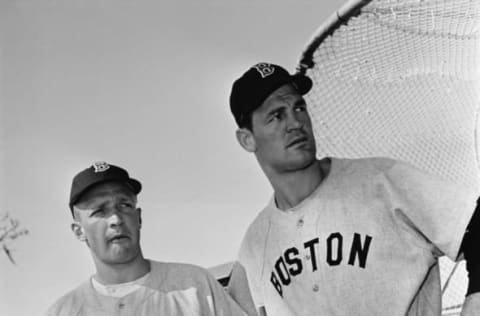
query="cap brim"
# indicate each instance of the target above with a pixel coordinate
(135, 184)
(302, 83)
(131, 183)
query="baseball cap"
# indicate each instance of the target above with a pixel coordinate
(97, 173)
(257, 83)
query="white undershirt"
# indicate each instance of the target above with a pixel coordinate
(119, 290)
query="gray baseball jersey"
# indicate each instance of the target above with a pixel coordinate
(365, 242)
(171, 289)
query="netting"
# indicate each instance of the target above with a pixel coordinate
(401, 78)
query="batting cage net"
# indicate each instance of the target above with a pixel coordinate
(401, 79)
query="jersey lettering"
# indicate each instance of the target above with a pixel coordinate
(330, 248)
(294, 262)
(310, 245)
(282, 271)
(359, 250)
(290, 264)
(276, 283)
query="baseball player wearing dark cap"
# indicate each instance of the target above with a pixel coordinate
(103, 203)
(341, 236)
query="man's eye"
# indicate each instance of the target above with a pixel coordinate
(98, 212)
(127, 205)
(275, 116)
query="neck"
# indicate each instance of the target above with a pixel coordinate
(108, 273)
(291, 188)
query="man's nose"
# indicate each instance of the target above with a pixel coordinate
(115, 218)
(293, 121)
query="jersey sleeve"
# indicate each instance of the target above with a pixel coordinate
(220, 303)
(239, 289)
(70, 303)
(250, 259)
(438, 210)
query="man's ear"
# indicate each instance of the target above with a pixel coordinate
(246, 140)
(78, 231)
(139, 210)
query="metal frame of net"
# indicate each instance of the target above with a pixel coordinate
(401, 79)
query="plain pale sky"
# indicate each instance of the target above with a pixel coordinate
(140, 84)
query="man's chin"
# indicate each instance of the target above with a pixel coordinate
(122, 258)
(300, 162)
(122, 252)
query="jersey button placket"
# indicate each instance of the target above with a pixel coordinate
(300, 223)
(309, 229)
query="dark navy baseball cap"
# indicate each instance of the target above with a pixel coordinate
(257, 83)
(98, 173)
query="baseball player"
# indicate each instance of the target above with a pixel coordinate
(341, 236)
(103, 202)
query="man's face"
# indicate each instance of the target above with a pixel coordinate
(109, 221)
(282, 131)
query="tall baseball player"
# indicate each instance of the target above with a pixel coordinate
(103, 202)
(341, 236)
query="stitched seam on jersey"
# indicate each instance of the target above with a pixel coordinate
(412, 230)
(405, 223)
(157, 277)
(415, 231)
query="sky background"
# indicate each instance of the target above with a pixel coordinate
(143, 85)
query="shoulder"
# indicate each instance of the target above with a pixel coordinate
(359, 171)
(252, 249)
(177, 267)
(69, 304)
(374, 167)
(393, 171)
(399, 171)
(180, 276)
(371, 164)
(257, 231)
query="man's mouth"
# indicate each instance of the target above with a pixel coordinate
(118, 238)
(297, 141)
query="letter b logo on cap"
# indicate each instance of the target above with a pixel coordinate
(101, 166)
(264, 69)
